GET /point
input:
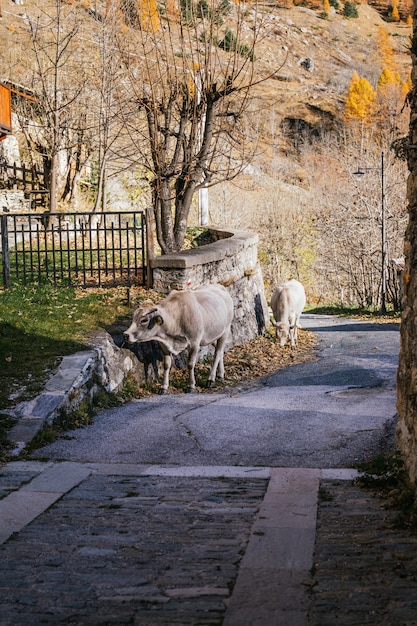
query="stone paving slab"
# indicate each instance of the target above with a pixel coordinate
(268, 599)
(19, 509)
(279, 555)
(15, 474)
(22, 506)
(59, 478)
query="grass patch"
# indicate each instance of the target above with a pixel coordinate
(356, 312)
(386, 475)
(40, 324)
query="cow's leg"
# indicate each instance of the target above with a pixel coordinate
(167, 366)
(217, 360)
(284, 332)
(296, 327)
(192, 360)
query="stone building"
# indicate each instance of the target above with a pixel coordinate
(407, 370)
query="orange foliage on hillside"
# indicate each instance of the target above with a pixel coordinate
(361, 99)
(148, 15)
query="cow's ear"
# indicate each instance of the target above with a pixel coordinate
(159, 320)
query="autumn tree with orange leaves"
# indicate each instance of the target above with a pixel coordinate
(361, 99)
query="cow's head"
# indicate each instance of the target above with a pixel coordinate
(145, 323)
(282, 331)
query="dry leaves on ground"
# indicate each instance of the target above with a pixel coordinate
(259, 357)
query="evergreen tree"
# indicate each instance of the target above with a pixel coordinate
(350, 9)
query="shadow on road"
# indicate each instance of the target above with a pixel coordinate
(364, 327)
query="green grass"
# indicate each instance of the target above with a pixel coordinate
(41, 324)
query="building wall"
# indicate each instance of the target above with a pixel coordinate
(407, 370)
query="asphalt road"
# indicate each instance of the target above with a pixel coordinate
(328, 413)
(206, 508)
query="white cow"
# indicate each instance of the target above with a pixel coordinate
(186, 319)
(287, 304)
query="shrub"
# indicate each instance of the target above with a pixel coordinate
(350, 9)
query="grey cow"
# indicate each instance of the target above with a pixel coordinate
(186, 319)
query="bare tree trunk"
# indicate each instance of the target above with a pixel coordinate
(53, 184)
(150, 247)
(190, 108)
(99, 203)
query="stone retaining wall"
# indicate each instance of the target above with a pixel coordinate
(232, 261)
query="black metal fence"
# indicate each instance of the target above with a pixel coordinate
(80, 249)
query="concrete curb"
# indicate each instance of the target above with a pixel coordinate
(69, 383)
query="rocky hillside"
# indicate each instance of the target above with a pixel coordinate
(315, 57)
(310, 57)
(321, 55)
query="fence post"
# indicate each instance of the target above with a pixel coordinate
(5, 251)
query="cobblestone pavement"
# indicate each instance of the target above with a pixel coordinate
(120, 548)
(365, 571)
(130, 550)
